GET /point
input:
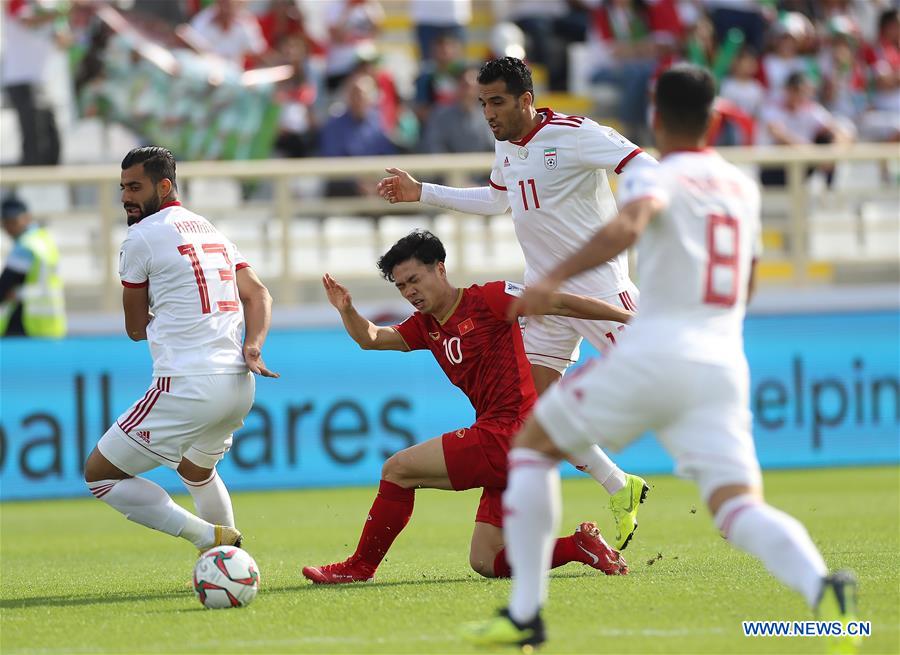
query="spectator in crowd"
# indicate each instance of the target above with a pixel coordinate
(398, 121)
(789, 33)
(31, 290)
(627, 39)
(742, 86)
(796, 120)
(433, 20)
(549, 26)
(230, 30)
(352, 25)
(460, 126)
(436, 83)
(843, 71)
(28, 42)
(702, 48)
(283, 20)
(749, 16)
(882, 121)
(356, 131)
(297, 124)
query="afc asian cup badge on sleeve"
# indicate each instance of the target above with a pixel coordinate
(550, 159)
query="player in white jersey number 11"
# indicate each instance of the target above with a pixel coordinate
(551, 171)
(188, 291)
(681, 373)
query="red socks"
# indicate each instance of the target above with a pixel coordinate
(389, 515)
(564, 551)
(501, 566)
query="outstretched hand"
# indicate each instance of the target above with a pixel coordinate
(337, 293)
(253, 359)
(399, 187)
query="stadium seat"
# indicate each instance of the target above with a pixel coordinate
(305, 235)
(880, 227)
(350, 244)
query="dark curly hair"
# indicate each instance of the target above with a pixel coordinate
(159, 163)
(511, 70)
(418, 244)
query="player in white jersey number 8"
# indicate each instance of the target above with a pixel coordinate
(550, 169)
(190, 294)
(682, 371)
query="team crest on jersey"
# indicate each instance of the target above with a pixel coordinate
(434, 335)
(143, 435)
(466, 326)
(505, 162)
(550, 158)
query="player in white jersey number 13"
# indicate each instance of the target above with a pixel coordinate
(681, 372)
(551, 170)
(190, 294)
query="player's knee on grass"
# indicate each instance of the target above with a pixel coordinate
(487, 541)
(482, 565)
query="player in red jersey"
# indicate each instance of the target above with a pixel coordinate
(482, 353)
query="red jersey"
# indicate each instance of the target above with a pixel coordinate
(480, 351)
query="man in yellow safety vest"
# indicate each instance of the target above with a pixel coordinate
(31, 290)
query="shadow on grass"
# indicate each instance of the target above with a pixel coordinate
(300, 587)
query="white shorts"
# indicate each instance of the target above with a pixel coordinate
(553, 341)
(191, 417)
(698, 411)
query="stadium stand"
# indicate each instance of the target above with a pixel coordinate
(274, 208)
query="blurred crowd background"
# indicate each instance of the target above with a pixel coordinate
(232, 79)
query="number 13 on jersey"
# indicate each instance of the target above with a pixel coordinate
(226, 275)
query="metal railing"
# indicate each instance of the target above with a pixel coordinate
(279, 208)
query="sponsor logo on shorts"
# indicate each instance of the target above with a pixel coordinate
(143, 435)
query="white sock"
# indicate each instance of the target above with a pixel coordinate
(531, 507)
(145, 502)
(211, 500)
(780, 541)
(596, 464)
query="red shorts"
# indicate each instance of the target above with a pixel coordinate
(476, 458)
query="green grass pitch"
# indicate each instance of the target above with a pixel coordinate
(78, 578)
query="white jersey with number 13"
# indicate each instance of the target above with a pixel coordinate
(191, 270)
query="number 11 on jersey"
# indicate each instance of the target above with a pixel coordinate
(534, 195)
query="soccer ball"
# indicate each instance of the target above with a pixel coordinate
(226, 576)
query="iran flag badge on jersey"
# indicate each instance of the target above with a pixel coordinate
(550, 159)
